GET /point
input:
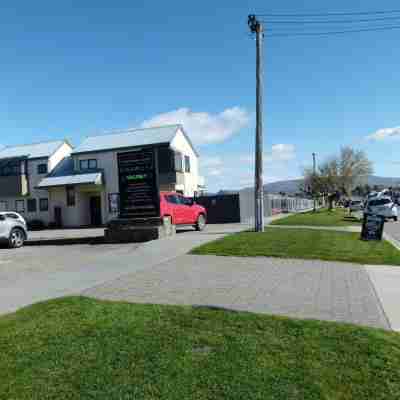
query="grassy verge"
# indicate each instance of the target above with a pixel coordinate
(323, 217)
(78, 348)
(305, 244)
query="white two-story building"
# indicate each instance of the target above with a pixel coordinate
(84, 188)
(22, 168)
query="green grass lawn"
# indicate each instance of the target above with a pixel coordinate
(323, 217)
(78, 348)
(305, 244)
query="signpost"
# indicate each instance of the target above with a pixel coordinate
(138, 184)
(372, 228)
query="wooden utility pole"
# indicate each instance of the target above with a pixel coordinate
(313, 182)
(256, 27)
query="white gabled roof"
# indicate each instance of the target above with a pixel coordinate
(129, 138)
(95, 178)
(36, 150)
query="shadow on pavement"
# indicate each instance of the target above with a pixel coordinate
(66, 241)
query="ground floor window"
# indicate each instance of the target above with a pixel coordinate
(32, 206)
(113, 202)
(70, 196)
(19, 205)
(44, 205)
(3, 205)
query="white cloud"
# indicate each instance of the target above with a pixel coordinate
(202, 127)
(384, 134)
(209, 162)
(214, 172)
(279, 152)
(282, 152)
(235, 171)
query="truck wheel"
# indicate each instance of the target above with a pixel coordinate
(201, 223)
(16, 239)
(395, 219)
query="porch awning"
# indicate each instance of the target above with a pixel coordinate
(78, 179)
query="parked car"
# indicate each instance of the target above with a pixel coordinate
(13, 229)
(356, 205)
(382, 206)
(182, 210)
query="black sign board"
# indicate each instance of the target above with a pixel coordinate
(139, 196)
(372, 228)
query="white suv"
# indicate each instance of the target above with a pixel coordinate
(13, 229)
(382, 206)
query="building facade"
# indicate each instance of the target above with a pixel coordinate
(84, 188)
(22, 168)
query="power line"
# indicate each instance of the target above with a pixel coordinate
(332, 33)
(319, 29)
(347, 21)
(380, 12)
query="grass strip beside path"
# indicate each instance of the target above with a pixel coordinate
(79, 348)
(323, 217)
(304, 244)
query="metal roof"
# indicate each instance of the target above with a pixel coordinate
(128, 138)
(95, 178)
(36, 150)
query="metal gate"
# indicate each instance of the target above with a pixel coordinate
(221, 209)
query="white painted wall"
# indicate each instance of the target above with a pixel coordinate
(191, 180)
(77, 215)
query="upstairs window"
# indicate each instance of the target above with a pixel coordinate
(42, 169)
(178, 162)
(85, 165)
(187, 164)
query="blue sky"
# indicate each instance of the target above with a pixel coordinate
(70, 70)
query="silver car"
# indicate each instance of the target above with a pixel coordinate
(13, 229)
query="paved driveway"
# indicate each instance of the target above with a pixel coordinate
(36, 273)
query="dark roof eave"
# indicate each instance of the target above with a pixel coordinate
(119, 148)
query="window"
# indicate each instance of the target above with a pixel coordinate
(43, 204)
(172, 199)
(178, 162)
(88, 164)
(70, 196)
(93, 164)
(3, 205)
(20, 206)
(32, 206)
(12, 215)
(187, 164)
(113, 202)
(42, 169)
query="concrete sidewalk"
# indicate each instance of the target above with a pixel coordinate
(329, 291)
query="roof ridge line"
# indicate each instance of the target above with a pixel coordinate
(31, 144)
(128, 130)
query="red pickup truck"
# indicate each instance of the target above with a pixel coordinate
(182, 210)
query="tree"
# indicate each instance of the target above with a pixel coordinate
(354, 166)
(338, 175)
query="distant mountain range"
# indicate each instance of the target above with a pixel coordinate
(292, 186)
